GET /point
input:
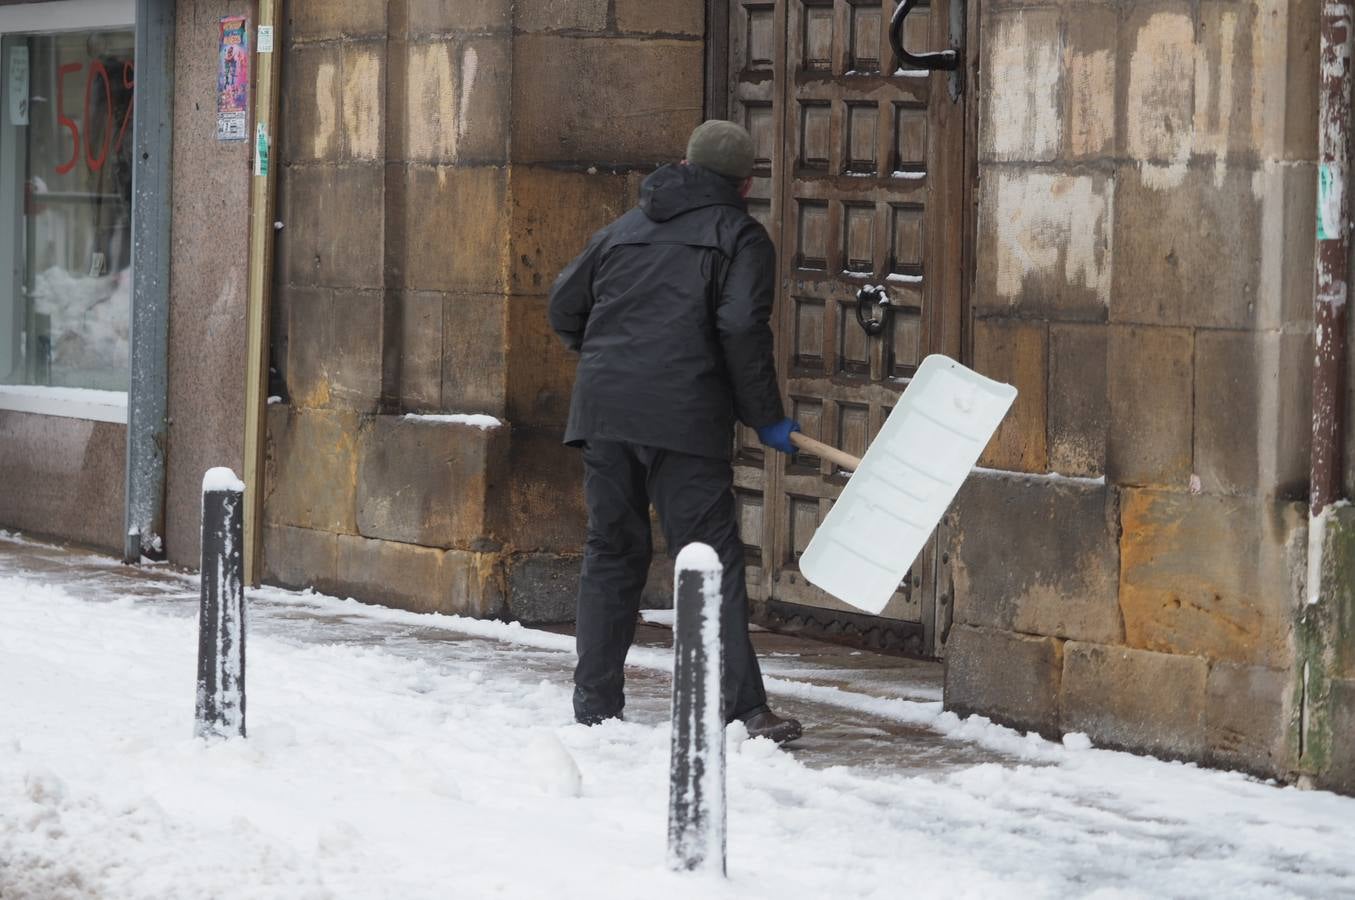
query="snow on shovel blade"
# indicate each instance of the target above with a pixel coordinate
(910, 474)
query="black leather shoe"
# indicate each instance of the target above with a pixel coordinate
(592, 720)
(766, 724)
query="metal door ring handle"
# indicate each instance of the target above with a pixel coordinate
(865, 298)
(945, 60)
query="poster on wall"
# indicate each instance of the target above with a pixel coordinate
(232, 80)
(18, 85)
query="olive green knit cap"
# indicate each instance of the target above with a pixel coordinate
(725, 148)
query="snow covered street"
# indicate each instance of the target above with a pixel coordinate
(404, 756)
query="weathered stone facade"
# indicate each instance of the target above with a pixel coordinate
(1144, 277)
(1132, 562)
(442, 162)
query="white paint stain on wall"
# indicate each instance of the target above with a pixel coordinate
(430, 103)
(470, 64)
(362, 87)
(1057, 225)
(1215, 74)
(1023, 102)
(1158, 98)
(326, 110)
(1091, 81)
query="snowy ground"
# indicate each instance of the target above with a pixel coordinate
(404, 756)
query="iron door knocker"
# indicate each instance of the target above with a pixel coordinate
(867, 296)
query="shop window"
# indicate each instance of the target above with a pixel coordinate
(66, 208)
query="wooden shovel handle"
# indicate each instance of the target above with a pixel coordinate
(823, 451)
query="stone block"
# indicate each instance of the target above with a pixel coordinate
(327, 19)
(456, 101)
(1079, 405)
(1247, 719)
(1045, 244)
(1172, 227)
(431, 133)
(300, 558)
(356, 350)
(1253, 412)
(554, 213)
(334, 226)
(540, 377)
(427, 482)
(455, 229)
(484, 98)
(403, 576)
(1021, 90)
(436, 17)
(1210, 576)
(473, 584)
(1252, 96)
(1287, 198)
(566, 107)
(1334, 618)
(562, 15)
(1340, 772)
(1089, 73)
(1035, 556)
(309, 314)
(1157, 76)
(422, 579)
(1135, 700)
(687, 17)
(364, 100)
(1010, 678)
(474, 355)
(333, 348)
(311, 479)
(546, 509)
(1016, 352)
(311, 91)
(421, 351)
(543, 589)
(1151, 406)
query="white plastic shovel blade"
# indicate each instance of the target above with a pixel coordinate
(910, 474)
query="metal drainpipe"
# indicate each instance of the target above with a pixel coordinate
(1331, 259)
(148, 390)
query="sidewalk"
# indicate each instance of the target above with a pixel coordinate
(834, 735)
(406, 756)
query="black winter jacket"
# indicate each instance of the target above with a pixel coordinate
(668, 308)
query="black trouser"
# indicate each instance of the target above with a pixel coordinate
(694, 497)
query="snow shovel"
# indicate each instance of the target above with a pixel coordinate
(903, 485)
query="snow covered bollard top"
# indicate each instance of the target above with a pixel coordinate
(221, 479)
(696, 801)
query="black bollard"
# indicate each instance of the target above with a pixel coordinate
(696, 799)
(221, 619)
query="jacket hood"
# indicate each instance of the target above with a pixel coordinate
(680, 187)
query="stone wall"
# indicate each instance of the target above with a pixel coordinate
(1144, 276)
(63, 478)
(208, 281)
(442, 160)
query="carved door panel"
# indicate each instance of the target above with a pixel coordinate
(859, 181)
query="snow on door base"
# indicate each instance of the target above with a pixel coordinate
(910, 474)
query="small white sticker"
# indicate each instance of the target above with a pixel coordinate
(265, 39)
(18, 86)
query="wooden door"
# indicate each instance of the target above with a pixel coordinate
(859, 180)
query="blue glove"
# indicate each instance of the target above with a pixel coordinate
(777, 435)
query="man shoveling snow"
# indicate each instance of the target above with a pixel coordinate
(668, 308)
